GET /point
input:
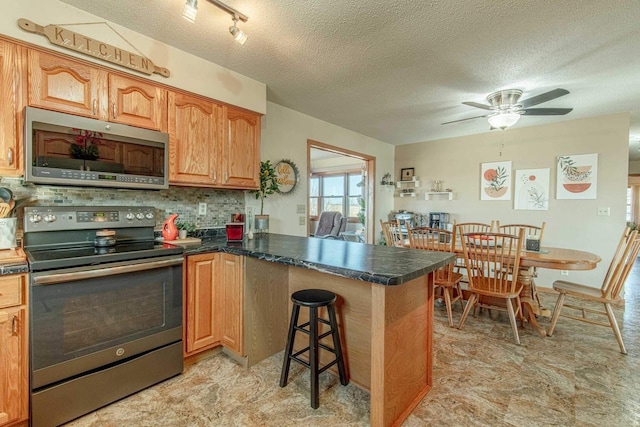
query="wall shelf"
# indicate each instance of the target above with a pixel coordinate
(415, 182)
(407, 194)
(428, 194)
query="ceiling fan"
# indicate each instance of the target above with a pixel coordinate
(506, 110)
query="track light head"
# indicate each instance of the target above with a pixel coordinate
(237, 33)
(190, 10)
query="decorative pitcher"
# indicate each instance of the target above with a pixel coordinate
(169, 228)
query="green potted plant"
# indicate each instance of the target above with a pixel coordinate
(268, 186)
(184, 228)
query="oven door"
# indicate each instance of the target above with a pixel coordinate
(85, 318)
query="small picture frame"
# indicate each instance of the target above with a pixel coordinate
(406, 174)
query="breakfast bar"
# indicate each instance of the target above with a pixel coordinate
(384, 307)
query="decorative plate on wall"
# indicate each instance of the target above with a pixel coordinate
(287, 176)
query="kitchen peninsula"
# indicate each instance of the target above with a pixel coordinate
(385, 308)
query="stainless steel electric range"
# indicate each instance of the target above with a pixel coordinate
(105, 308)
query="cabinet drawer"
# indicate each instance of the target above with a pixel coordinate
(12, 290)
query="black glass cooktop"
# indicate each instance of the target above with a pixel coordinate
(89, 255)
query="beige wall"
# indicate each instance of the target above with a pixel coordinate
(284, 135)
(570, 223)
(188, 72)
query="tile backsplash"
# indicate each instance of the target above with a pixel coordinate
(181, 200)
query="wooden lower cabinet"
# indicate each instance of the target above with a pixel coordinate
(231, 292)
(214, 303)
(14, 362)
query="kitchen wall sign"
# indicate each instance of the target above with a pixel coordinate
(79, 43)
(287, 176)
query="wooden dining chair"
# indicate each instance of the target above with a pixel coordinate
(613, 283)
(489, 257)
(474, 227)
(529, 230)
(434, 239)
(470, 227)
(392, 232)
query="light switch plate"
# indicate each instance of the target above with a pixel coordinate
(301, 209)
(249, 210)
(301, 220)
(604, 211)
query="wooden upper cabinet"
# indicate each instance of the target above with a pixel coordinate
(65, 85)
(240, 149)
(193, 140)
(137, 103)
(10, 112)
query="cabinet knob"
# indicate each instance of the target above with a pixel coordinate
(95, 106)
(215, 176)
(114, 110)
(10, 156)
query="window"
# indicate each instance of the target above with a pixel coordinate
(339, 192)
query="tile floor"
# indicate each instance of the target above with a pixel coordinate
(575, 378)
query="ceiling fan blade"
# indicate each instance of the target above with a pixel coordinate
(463, 120)
(477, 105)
(543, 97)
(546, 111)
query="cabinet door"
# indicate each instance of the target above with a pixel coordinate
(193, 140)
(202, 327)
(232, 290)
(64, 85)
(10, 111)
(240, 154)
(13, 365)
(134, 102)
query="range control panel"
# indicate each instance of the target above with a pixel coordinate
(58, 218)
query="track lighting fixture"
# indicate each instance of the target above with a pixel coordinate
(191, 10)
(237, 33)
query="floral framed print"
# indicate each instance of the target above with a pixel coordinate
(577, 176)
(531, 190)
(495, 181)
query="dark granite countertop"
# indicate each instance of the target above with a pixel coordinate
(369, 263)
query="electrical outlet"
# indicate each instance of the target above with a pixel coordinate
(202, 208)
(564, 272)
(604, 211)
(301, 209)
(301, 220)
(249, 210)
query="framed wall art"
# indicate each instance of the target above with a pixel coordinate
(531, 189)
(577, 176)
(406, 174)
(495, 181)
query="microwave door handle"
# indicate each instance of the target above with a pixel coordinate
(57, 278)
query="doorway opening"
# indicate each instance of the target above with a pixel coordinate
(341, 180)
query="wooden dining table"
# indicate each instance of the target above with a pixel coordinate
(547, 257)
(554, 259)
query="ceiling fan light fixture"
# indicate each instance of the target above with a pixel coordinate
(190, 10)
(504, 120)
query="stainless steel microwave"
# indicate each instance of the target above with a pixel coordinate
(63, 149)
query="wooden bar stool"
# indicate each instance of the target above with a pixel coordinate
(313, 299)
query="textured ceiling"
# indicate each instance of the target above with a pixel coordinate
(396, 69)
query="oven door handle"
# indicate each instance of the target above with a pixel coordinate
(52, 279)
